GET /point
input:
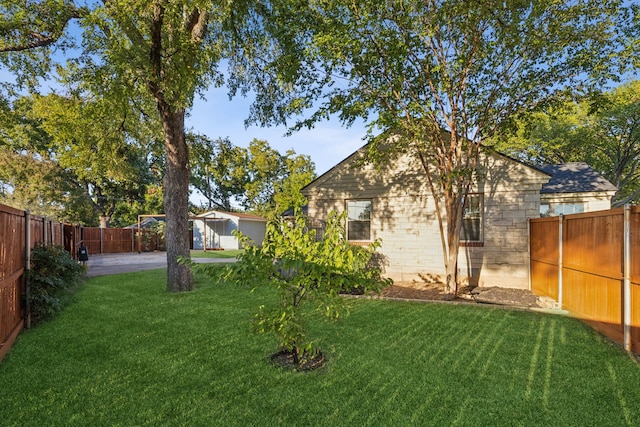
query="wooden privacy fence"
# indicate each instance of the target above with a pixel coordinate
(108, 240)
(118, 240)
(19, 227)
(19, 233)
(590, 264)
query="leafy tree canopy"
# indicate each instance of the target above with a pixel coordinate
(601, 129)
(217, 170)
(465, 67)
(91, 151)
(258, 177)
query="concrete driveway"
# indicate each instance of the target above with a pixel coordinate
(101, 265)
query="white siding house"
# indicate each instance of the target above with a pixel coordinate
(214, 229)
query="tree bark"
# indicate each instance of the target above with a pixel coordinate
(454, 224)
(105, 221)
(176, 199)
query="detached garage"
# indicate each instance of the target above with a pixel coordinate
(214, 230)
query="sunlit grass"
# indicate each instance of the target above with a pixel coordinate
(128, 353)
(228, 253)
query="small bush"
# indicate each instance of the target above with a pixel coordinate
(310, 275)
(54, 275)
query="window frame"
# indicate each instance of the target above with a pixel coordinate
(555, 206)
(349, 220)
(480, 219)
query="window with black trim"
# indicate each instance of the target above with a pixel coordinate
(359, 219)
(472, 219)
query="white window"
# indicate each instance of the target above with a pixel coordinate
(545, 209)
(472, 219)
(555, 209)
(567, 208)
(359, 219)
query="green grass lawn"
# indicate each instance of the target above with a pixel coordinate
(128, 353)
(229, 253)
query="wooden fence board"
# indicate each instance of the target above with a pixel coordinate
(13, 248)
(544, 279)
(594, 243)
(91, 238)
(635, 318)
(635, 279)
(544, 256)
(544, 240)
(635, 244)
(592, 297)
(12, 260)
(592, 268)
(117, 240)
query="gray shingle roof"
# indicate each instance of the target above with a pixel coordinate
(574, 177)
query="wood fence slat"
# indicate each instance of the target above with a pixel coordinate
(12, 257)
(8, 281)
(544, 256)
(592, 268)
(7, 342)
(13, 248)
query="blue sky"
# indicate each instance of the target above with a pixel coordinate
(327, 144)
(218, 117)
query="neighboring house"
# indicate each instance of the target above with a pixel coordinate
(395, 204)
(574, 188)
(214, 230)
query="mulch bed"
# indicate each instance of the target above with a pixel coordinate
(483, 295)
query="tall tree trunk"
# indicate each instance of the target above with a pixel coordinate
(105, 221)
(176, 199)
(454, 224)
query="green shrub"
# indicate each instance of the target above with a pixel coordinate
(54, 275)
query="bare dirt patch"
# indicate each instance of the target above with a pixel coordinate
(434, 291)
(307, 362)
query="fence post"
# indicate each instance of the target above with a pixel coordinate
(44, 231)
(139, 235)
(529, 250)
(133, 240)
(27, 267)
(560, 250)
(101, 241)
(626, 272)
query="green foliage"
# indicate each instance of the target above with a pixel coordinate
(309, 275)
(300, 172)
(74, 158)
(442, 75)
(104, 146)
(30, 176)
(53, 275)
(217, 169)
(273, 181)
(259, 177)
(126, 211)
(601, 129)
